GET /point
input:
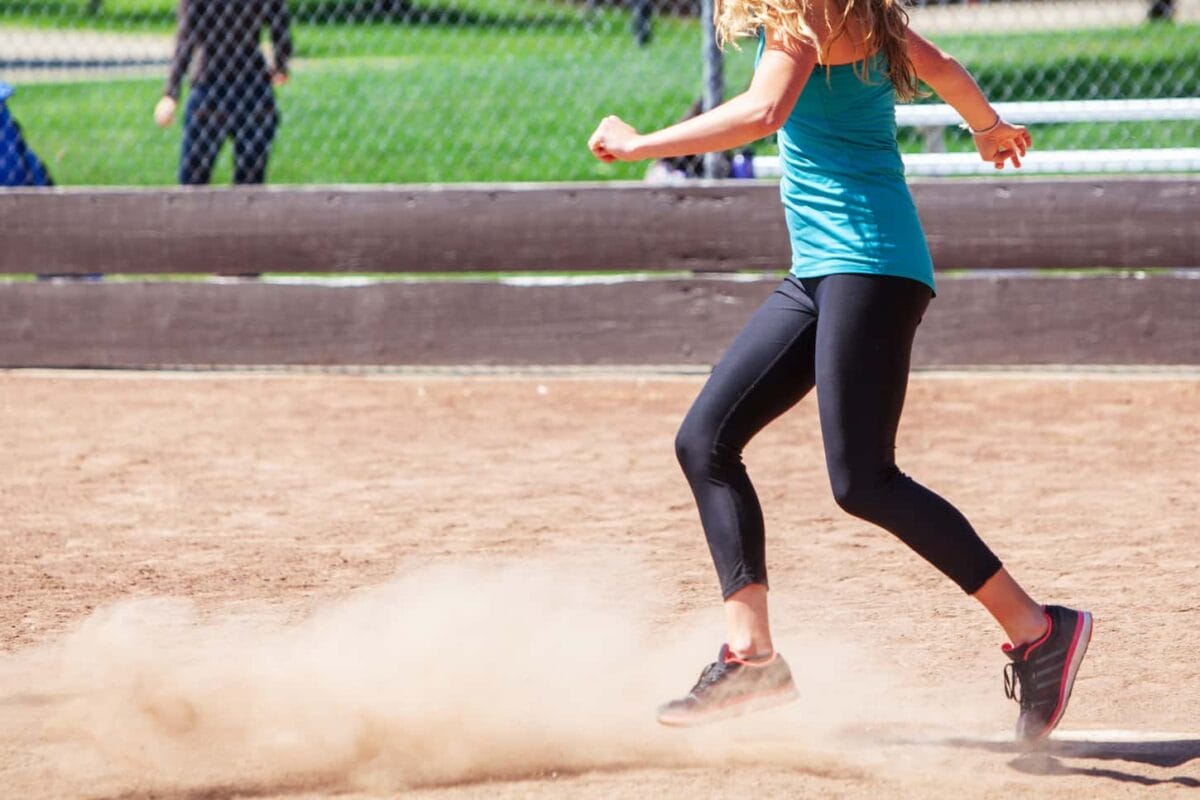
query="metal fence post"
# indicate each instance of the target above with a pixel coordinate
(713, 76)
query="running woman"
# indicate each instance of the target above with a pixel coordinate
(827, 76)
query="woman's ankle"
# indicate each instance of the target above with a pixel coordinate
(1031, 630)
(747, 628)
(753, 657)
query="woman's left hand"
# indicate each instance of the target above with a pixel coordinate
(279, 78)
(614, 140)
(1002, 143)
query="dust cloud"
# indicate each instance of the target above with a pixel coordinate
(451, 674)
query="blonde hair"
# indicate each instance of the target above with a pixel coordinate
(883, 24)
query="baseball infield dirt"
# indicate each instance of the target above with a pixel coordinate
(305, 586)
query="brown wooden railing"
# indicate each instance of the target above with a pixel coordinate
(1073, 271)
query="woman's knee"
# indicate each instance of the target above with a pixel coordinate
(700, 450)
(693, 448)
(862, 493)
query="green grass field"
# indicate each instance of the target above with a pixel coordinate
(152, 15)
(394, 102)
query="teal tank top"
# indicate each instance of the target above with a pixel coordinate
(847, 205)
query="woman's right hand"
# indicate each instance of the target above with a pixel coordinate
(1003, 143)
(164, 112)
(614, 140)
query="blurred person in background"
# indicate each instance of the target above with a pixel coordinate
(19, 165)
(231, 93)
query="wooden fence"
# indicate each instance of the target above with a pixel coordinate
(1044, 271)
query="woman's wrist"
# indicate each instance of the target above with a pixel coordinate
(986, 129)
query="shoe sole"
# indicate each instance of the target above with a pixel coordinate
(734, 708)
(1083, 637)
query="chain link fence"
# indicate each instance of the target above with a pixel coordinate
(400, 91)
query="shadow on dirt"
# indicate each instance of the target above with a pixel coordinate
(1046, 759)
(231, 792)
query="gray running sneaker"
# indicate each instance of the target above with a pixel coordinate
(1042, 673)
(730, 687)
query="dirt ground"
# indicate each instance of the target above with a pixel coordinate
(306, 586)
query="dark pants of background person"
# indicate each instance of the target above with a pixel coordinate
(243, 111)
(851, 337)
(1161, 10)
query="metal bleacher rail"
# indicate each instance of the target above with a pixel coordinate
(933, 119)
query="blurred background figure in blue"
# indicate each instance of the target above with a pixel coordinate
(19, 165)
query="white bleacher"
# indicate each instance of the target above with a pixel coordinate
(932, 120)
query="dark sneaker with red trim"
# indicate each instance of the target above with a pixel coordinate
(1042, 673)
(729, 687)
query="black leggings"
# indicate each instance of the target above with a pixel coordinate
(850, 336)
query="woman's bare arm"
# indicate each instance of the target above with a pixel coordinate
(757, 112)
(996, 140)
